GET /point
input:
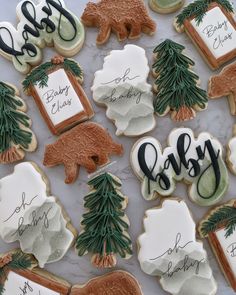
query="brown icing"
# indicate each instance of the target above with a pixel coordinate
(87, 145)
(127, 18)
(115, 283)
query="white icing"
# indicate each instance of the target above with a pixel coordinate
(206, 185)
(16, 284)
(28, 215)
(59, 97)
(122, 87)
(232, 156)
(168, 244)
(217, 32)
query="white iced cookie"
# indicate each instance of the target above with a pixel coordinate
(197, 161)
(30, 216)
(231, 153)
(122, 87)
(48, 23)
(169, 250)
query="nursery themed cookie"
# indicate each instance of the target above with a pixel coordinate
(122, 87)
(127, 18)
(177, 258)
(211, 26)
(88, 145)
(181, 99)
(197, 161)
(49, 23)
(219, 227)
(224, 84)
(16, 136)
(166, 6)
(231, 153)
(114, 283)
(56, 88)
(19, 275)
(105, 225)
(28, 214)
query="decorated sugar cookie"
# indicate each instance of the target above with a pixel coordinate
(231, 153)
(122, 87)
(183, 98)
(168, 248)
(56, 88)
(197, 161)
(219, 227)
(165, 6)
(127, 18)
(19, 275)
(16, 137)
(114, 283)
(88, 145)
(211, 26)
(29, 215)
(45, 24)
(105, 225)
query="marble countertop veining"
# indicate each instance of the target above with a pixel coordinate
(216, 119)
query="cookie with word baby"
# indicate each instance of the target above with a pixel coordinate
(168, 249)
(121, 86)
(16, 137)
(56, 88)
(181, 99)
(195, 160)
(30, 215)
(19, 274)
(48, 23)
(219, 227)
(114, 283)
(127, 18)
(166, 6)
(212, 28)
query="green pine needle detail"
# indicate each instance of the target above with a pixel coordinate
(224, 216)
(199, 8)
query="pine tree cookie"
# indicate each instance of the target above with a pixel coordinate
(212, 27)
(29, 214)
(127, 18)
(219, 227)
(16, 137)
(105, 225)
(166, 6)
(48, 23)
(168, 249)
(122, 87)
(19, 274)
(195, 160)
(176, 84)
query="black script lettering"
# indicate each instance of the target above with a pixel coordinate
(26, 288)
(123, 78)
(131, 93)
(231, 249)
(210, 30)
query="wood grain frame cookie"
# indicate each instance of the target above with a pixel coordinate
(212, 29)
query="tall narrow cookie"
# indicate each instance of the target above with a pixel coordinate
(49, 23)
(211, 26)
(127, 18)
(166, 6)
(16, 136)
(168, 248)
(28, 214)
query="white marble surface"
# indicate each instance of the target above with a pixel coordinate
(217, 120)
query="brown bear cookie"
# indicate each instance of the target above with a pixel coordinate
(127, 18)
(115, 283)
(87, 145)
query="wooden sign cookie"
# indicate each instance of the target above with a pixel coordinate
(219, 227)
(121, 17)
(211, 26)
(114, 283)
(45, 24)
(166, 6)
(196, 161)
(16, 136)
(19, 275)
(105, 225)
(168, 248)
(56, 88)
(28, 214)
